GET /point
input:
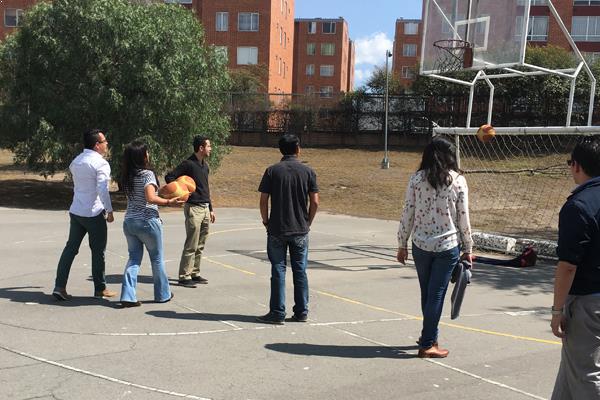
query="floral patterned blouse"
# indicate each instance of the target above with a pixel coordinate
(437, 219)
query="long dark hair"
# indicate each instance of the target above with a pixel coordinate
(134, 160)
(439, 158)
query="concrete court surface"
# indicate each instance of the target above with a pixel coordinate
(359, 342)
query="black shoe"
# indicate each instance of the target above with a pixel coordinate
(270, 319)
(187, 283)
(167, 300)
(199, 279)
(129, 304)
(300, 317)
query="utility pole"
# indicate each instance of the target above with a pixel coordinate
(385, 163)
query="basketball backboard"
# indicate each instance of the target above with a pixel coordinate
(493, 29)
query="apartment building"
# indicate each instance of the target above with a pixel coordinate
(581, 18)
(12, 12)
(407, 42)
(323, 57)
(253, 32)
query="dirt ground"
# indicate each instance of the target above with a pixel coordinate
(351, 181)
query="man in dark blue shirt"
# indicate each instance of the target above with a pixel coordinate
(292, 188)
(576, 307)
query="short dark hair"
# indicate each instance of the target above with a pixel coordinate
(199, 141)
(587, 154)
(91, 137)
(288, 144)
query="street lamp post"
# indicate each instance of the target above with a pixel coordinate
(385, 163)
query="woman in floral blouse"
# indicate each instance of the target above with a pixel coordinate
(436, 213)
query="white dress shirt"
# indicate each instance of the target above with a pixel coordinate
(437, 219)
(91, 177)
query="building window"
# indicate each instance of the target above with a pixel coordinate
(310, 69)
(281, 6)
(327, 49)
(326, 70)
(409, 50)
(326, 91)
(329, 27)
(247, 55)
(248, 22)
(13, 17)
(284, 40)
(586, 29)
(411, 28)
(284, 69)
(278, 65)
(281, 35)
(310, 89)
(408, 73)
(222, 23)
(222, 52)
(538, 28)
(312, 28)
(311, 49)
(587, 2)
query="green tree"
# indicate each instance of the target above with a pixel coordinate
(134, 70)
(376, 83)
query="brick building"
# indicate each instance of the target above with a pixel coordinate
(323, 57)
(581, 18)
(253, 32)
(12, 12)
(407, 41)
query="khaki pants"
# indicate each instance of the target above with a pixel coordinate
(579, 372)
(197, 221)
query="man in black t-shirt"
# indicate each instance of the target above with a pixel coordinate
(292, 188)
(198, 211)
(576, 307)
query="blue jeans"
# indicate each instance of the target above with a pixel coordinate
(277, 251)
(434, 271)
(138, 233)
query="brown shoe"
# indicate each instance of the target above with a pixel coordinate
(104, 293)
(433, 352)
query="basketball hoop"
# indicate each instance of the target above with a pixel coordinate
(453, 55)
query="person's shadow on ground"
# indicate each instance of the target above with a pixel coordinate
(308, 349)
(204, 316)
(17, 294)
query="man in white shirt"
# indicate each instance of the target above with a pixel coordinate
(89, 212)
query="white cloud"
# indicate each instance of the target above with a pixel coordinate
(371, 49)
(370, 52)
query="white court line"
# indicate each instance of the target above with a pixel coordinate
(441, 364)
(231, 324)
(104, 377)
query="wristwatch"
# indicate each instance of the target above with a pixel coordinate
(556, 311)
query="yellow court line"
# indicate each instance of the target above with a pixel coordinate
(348, 300)
(229, 266)
(236, 230)
(463, 327)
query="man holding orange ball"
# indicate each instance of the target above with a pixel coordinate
(198, 212)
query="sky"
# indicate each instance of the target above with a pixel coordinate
(371, 23)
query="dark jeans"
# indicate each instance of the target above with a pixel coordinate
(434, 270)
(277, 251)
(95, 227)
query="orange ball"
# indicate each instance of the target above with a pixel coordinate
(188, 182)
(172, 190)
(485, 133)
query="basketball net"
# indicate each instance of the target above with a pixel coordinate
(453, 55)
